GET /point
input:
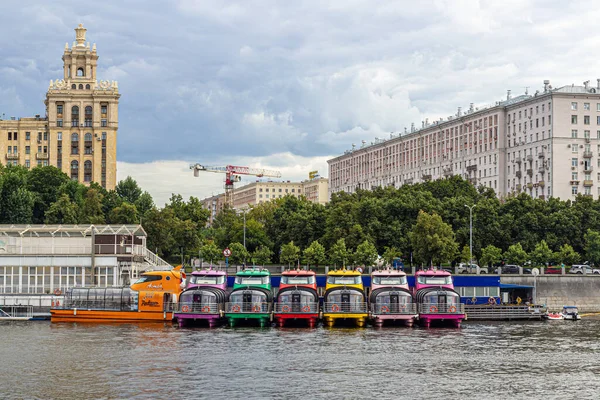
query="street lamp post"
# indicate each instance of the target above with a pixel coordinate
(470, 233)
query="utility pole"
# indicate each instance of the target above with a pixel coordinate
(245, 237)
(471, 233)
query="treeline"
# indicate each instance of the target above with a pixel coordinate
(425, 222)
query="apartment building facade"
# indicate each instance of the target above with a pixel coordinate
(78, 133)
(540, 144)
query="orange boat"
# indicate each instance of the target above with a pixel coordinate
(149, 299)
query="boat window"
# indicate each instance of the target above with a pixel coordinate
(434, 280)
(252, 280)
(257, 297)
(494, 291)
(344, 280)
(480, 292)
(149, 278)
(336, 297)
(403, 298)
(305, 297)
(469, 291)
(298, 280)
(389, 280)
(207, 279)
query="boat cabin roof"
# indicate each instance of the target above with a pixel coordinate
(343, 272)
(298, 272)
(388, 272)
(208, 272)
(433, 272)
(254, 272)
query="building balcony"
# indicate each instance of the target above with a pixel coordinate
(588, 182)
(41, 156)
(519, 187)
(12, 156)
(519, 174)
(448, 171)
(574, 183)
(588, 168)
(530, 185)
(541, 154)
(530, 172)
(408, 181)
(529, 158)
(518, 160)
(542, 197)
(542, 170)
(472, 168)
(426, 178)
(588, 195)
(473, 181)
(588, 154)
(541, 183)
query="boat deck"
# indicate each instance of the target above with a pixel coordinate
(503, 313)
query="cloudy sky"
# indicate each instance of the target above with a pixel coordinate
(288, 84)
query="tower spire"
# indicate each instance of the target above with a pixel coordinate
(80, 35)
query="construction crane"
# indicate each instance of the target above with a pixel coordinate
(232, 175)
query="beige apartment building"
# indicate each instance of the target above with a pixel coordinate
(314, 190)
(78, 133)
(540, 144)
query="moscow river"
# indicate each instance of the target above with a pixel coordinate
(535, 360)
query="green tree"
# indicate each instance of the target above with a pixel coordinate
(63, 211)
(515, 254)
(262, 255)
(338, 253)
(124, 214)
(465, 255)
(592, 246)
(128, 190)
(210, 251)
(144, 203)
(91, 209)
(18, 206)
(314, 254)
(290, 253)
(365, 254)
(541, 254)
(491, 255)
(157, 225)
(45, 183)
(110, 201)
(432, 239)
(239, 254)
(567, 255)
(390, 254)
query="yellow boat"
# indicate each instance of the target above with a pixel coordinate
(149, 299)
(344, 298)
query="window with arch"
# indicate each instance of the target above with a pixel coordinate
(73, 86)
(80, 72)
(87, 171)
(87, 86)
(74, 170)
(81, 86)
(88, 116)
(88, 143)
(74, 116)
(74, 143)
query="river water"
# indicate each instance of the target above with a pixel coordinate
(535, 360)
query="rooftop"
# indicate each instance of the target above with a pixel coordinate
(68, 230)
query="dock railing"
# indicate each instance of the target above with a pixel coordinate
(341, 308)
(16, 312)
(499, 312)
(198, 308)
(441, 308)
(248, 307)
(296, 308)
(393, 308)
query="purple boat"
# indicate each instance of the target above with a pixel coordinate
(391, 299)
(437, 300)
(203, 301)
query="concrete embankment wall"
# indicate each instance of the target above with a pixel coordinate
(566, 290)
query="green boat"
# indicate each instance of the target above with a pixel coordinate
(251, 298)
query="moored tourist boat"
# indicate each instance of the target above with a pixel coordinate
(390, 298)
(344, 298)
(437, 301)
(251, 297)
(204, 299)
(149, 299)
(297, 299)
(571, 313)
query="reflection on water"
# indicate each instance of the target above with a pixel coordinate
(480, 361)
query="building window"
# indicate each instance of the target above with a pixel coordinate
(586, 106)
(80, 72)
(74, 116)
(573, 133)
(88, 116)
(27, 135)
(573, 119)
(45, 149)
(74, 143)
(103, 109)
(9, 151)
(573, 189)
(103, 123)
(45, 163)
(59, 136)
(27, 164)
(9, 135)
(260, 190)
(45, 135)
(27, 150)
(87, 86)
(59, 109)
(74, 170)
(73, 86)
(574, 162)
(586, 119)
(573, 176)
(81, 86)
(586, 134)
(103, 135)
(88, 143)
(87, 171)
(574, 106)
(267, 196)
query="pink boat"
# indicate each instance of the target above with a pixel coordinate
(390, 299)
(436, 298)
(204, 299)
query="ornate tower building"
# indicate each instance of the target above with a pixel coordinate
(79, 133)
(83, 117)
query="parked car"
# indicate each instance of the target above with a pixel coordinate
(578, 269)
(471, 269)
(514, 269)
(552, 270)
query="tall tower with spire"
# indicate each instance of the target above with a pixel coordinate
(83, 117)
